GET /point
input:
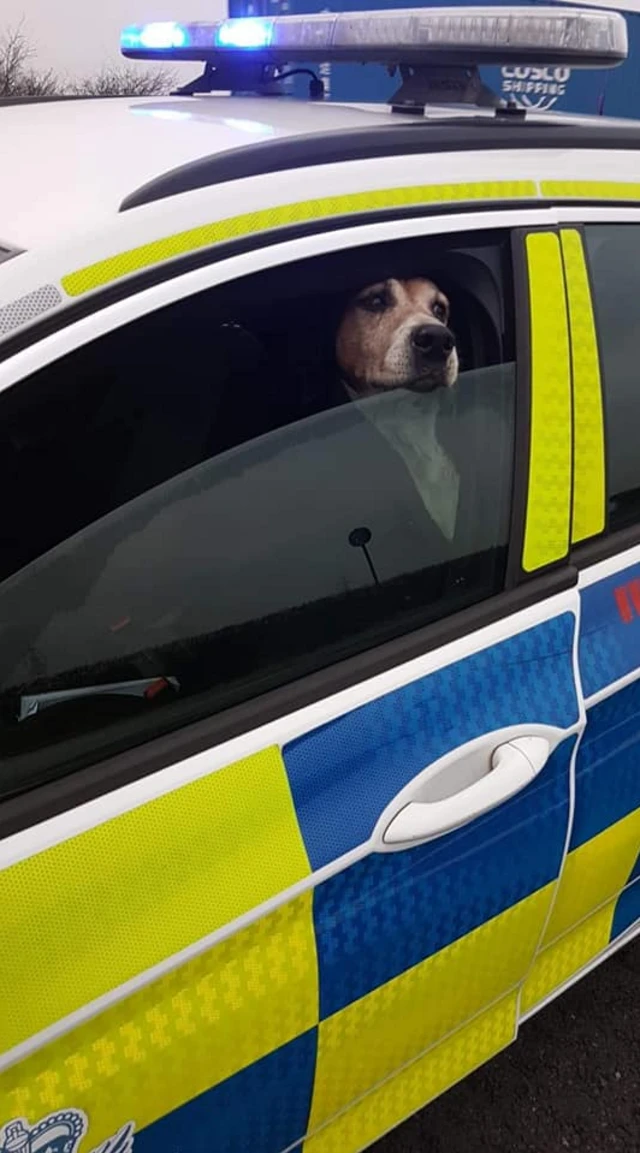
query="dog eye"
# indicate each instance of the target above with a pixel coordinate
(375, 302)
(440, 312)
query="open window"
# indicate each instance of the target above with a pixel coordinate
(203, 512)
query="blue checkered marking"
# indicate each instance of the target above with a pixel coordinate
(608, 765)
(343, 774)
(635, 872)
(628, 907)
(388, 912)
(608, 648)
(263, 1108)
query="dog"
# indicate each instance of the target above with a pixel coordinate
(396, 335)
(394, 349)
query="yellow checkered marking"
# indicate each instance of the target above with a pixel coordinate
(418, 1083)
(179, 1036)
(233, 227)
(366, 1042)
(89, 914)
(566, 957)
(550, 466)
(588, 446)
(580, 925)
(590, 189)
(593, 873)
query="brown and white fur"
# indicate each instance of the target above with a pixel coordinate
(396, 334)
(394, 339)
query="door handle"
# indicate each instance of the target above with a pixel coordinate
(512, 766)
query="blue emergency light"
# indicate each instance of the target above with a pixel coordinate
(157, 37)
(244, 33)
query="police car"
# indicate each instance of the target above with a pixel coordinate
(320, 580)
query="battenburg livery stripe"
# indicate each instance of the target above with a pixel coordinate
(610, 631)
(90, 913)
(114, 267)
(588, 517)
(622, 190)
(135, 891)
(366, 1042)
(599, 895)
(252, 998)
(419, 1082)
(284, 215)
(548, 515)
(627, 912)
(261, 1034)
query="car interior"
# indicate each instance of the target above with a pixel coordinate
(221, 392)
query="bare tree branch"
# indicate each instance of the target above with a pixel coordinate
(17, 75)
(126, 80)
(34, 82)
(14, 54)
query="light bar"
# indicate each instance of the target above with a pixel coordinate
(153, 38)
(245, 33)
(577, 37)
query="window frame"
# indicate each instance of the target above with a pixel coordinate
(521, 590)
(610, 541)
(105, 310)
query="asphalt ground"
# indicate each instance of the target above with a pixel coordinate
(570, 1082)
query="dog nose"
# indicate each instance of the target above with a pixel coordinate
(432, 341)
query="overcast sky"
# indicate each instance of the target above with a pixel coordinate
(77, 36)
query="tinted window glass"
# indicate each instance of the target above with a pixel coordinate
(203, 508)
(614, 257)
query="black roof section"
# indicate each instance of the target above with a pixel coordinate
(7, 251)
(403, 137)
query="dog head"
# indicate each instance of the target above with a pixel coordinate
(396, 335)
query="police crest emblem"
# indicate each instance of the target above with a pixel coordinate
(60, 1132)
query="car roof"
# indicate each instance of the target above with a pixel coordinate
(70, 165)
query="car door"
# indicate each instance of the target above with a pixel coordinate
(598, 904)
(286, 768)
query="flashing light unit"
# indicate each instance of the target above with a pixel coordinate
(579, 38)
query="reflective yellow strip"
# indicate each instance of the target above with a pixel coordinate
(366, 1042)
(125, 263)
(82, 917)
(417, 1084)
(593, 873)
(181, 1035)
(566, 957)
(590, 189)
(593, 877)
(588, 445)
(550, 466)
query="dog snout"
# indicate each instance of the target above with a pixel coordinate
(433, 342)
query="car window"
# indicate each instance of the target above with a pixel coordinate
(246, 487)
(614, 259)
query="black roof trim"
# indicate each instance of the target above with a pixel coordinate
(395, 139)
(8, 251)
